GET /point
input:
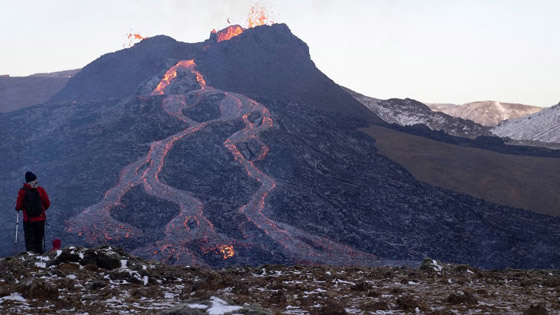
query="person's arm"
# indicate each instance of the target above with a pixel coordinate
(19, 202)
(45, 198)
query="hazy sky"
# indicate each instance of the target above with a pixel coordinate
(453, 51)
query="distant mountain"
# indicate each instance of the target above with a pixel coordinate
(486, 113)
(406, 112)
(59, 74)
(543, 126)
(20, 92)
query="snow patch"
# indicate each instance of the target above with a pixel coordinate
(41, 264)
(197, 306)
(13, 297)
(220, 306)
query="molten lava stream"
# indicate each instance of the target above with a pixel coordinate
(291, 240)
(96, 225)
(96, 220)
(178, 234)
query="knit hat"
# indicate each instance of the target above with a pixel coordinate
(29, 177)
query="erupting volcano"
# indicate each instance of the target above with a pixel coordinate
(243, 152)
(190, 235)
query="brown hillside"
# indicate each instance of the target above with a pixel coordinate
(526, 182)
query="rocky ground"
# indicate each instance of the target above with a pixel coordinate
(108, 280)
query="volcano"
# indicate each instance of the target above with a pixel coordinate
(241, 151)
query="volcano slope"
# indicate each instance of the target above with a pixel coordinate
(243, 152)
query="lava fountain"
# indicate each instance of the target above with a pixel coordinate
(257, 16)
(134, 39)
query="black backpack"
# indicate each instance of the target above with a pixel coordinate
(32, 203)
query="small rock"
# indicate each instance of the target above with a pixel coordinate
(408, 303)
(397, 290)
(361, 286)
(331, 308)
(68, 267)
(552, 282)
(241, 289)
(96, 285)
(461, 297)
(373, 293)
(375, 306)
(278, 298)
(102, 257)
(91, 267)
(536, 310)
(124, 275)
(462, 268)
(67, 255)
(139, 292)
(90, 297)
(482, 292)
(68, 302)
(181, 309)
(528, 283)
(431, 265)
(31, 288)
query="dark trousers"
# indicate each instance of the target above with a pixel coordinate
(34, 233)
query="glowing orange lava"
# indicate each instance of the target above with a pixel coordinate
(227, 251)
(133, 39)
(258, 16)
(172, 74)
(191, 230)
(136, 36)
(229, 32)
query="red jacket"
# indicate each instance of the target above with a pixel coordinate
(21, 206)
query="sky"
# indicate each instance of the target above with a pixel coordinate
(434, 51)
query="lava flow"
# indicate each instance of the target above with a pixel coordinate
(227, 251)
(190, 235)
(228, 32)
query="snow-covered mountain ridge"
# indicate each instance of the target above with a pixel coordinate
(543, 126)
(486, 113)
(407, 112)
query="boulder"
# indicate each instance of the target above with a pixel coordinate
(31, 288)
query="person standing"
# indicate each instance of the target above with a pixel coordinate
(33, 200)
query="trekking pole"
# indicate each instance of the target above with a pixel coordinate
(45, 236)
(17, 226)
